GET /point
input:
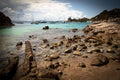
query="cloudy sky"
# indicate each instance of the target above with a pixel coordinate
(29, 10)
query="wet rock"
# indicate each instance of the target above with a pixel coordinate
(29, 64)
(74, 30)
(99, 60)
(19, 45)
(45, 41)
(9, 71)
(82, 65)
(68, 50)
(46, 28)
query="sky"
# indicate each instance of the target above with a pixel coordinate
(54, 10)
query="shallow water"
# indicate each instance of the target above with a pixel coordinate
(21, 29)
(21, 32)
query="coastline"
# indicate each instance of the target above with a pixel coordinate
(68, 55)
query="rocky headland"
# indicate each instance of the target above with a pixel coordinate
(5, 21)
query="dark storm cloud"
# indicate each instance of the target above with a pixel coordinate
(13, 8)
(12, 4)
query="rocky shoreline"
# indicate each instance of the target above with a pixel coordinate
(92, 56)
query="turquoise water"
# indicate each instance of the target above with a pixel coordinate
(21, 29)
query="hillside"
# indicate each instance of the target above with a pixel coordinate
(5, 21)
(113, 14)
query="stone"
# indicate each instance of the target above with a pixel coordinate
(109, 50)
(74, 47)
(54, 56)
(19, 45)
(84, 56)
(45, 41)
(77, 53)
(29, 64)
(60, 43)
(46, 28)
(53, 45)
(48, 74)
(82, 65)
(54, 65)
(68, 50)
(63, 37)
(44, 45)
(94, 49)
(99, 60)
(74, 30)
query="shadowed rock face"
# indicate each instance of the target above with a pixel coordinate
(5, 21)
(9, 71)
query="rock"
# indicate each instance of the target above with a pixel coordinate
(46, 28)
(5, 21)
(74, 30)
(48, 75)
(82, 65)
(109, 50)
(68, 50)
(60, 43)
(45, 41)
(9, 71)
(99, 60)
(44, 45)
(29, 64)
(77, 53)
(63, 37)
(81, 48)
(53, 45)
(84, 56)
(19, 45)
(54, 56)
(74, 47)
(54, 65)
(94, 49)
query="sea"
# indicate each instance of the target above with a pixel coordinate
(22, 29)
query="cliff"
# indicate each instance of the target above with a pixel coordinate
(5, 21)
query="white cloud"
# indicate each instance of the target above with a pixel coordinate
(46, 10)
(53, 10)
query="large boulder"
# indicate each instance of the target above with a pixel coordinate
(46, 28)
(99, 60)
(5, 21)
